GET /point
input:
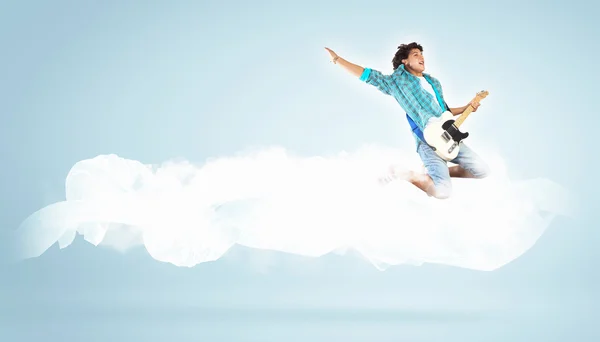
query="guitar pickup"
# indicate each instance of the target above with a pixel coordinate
(446, 136)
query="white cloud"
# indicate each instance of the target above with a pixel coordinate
(187, 214)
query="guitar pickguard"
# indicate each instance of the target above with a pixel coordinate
(451, 132)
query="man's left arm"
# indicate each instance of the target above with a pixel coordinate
(460, 110)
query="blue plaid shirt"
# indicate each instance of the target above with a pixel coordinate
(406, 89)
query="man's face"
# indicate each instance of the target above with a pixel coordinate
(415, 60)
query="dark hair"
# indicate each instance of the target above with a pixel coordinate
(402, 53)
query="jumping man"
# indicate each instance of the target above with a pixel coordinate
(415, 91)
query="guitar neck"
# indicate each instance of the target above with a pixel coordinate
(463, 116)
(481, 95)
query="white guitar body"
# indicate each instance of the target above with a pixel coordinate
(441, 134)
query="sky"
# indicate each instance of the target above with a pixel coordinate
(156, 81)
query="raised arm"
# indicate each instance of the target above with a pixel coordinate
(367, 75)
(352, 68)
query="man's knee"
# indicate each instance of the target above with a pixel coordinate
(442, 190)
(476, 168)
(481, 170)
(473, 163)
(441, 196)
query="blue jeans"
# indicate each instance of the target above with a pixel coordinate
(437, 168)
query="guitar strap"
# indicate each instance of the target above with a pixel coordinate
(413, 125)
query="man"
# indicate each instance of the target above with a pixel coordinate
(421, 97)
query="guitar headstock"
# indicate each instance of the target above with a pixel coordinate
(482, 94)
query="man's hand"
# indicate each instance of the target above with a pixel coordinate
(352, 68)
(334, 56)
(474, 104)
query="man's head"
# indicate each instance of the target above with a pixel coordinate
(411, 55)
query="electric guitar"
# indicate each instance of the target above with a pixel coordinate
(443, 133)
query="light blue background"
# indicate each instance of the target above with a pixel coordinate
(156, 80)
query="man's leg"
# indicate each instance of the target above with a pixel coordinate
(469, 164)
(437, 181)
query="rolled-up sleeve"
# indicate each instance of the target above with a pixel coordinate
(378, 80)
